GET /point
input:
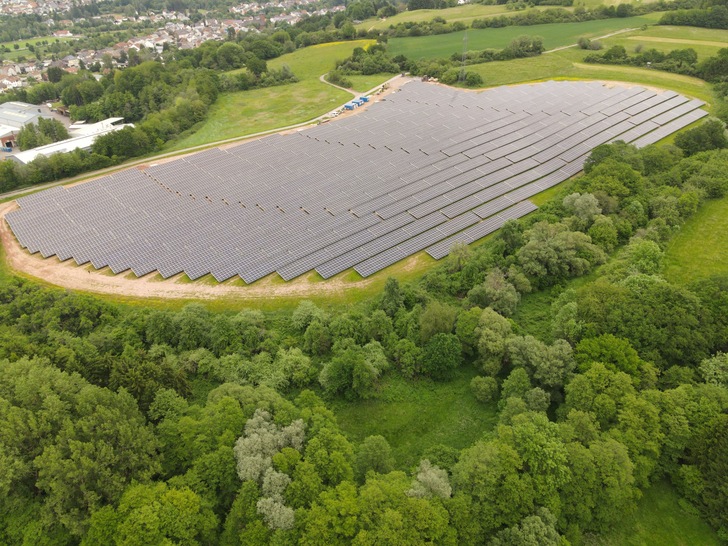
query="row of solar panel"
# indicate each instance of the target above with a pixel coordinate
(251, 240)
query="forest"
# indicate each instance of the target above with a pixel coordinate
(131, 424)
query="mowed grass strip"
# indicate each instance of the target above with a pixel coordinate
(416, 415)
(554, 35)
(365, 83)
(699, 249)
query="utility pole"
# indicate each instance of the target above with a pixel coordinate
(461, 76)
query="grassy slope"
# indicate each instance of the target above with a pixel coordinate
(699, 249)
(660, 520)
(567, 64)
(250, 112)
(414, 416)
(257, 110)
(554, 35)
(365, 83)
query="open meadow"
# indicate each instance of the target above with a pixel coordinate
(706, 42)
(554, 35)
(464, 14)
(566, 64)
(662, 519)
(414, 416)
(258, 110)
(23, 51)
(699, 250)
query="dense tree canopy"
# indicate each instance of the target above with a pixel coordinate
(135, 425)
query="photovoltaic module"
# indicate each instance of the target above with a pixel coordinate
(425, 168)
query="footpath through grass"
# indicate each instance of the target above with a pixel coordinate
(257, 110)
(554, 35)
(700, 249)
(414, 416)
(706, 42)
(662, 519)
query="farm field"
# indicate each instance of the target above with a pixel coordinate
(596, 3)
(266, 109)
(311, 62)
(699, 250)
(413, 416)
(554, 35)
(705, 42)
(465, 14)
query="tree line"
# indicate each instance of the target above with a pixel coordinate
(134, 425)
(376, 60)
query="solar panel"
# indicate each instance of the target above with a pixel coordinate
(425, 168)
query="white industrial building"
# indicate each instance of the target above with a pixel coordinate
(16, 115)
(84, 135)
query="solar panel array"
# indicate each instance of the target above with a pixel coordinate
(425, 168)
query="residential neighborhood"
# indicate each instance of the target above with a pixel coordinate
(44, 7)
(175, 29)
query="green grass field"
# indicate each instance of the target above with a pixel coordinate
(566, 64)
(365, 83)
(554, 35)
(705, 42)
(415, 415)
(311, 62)
(250, 112)
(597, 3)
(465, 14)
(23, 51)
(661, 520)
(699, 250)
(258, 110)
